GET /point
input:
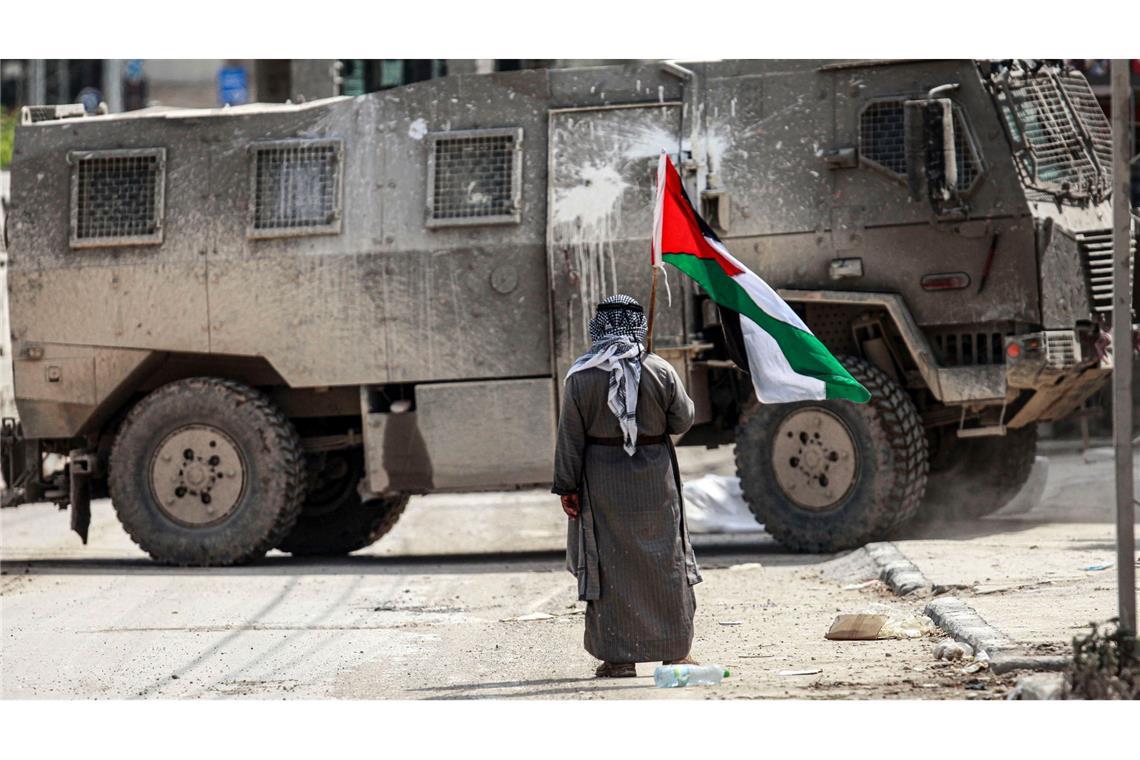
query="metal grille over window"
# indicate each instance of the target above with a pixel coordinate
(117, 197)
(967, 158)
(296, 188)
(474, 177)
(1081, 97)
(882, 135)
(1063, 137)
(882, 140)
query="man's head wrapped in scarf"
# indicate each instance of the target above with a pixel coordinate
(612, 320)
(618, 331)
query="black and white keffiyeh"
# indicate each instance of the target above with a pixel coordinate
(618, 336)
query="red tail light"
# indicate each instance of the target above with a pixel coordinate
(946, 281)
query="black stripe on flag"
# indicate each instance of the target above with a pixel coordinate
(729, 319)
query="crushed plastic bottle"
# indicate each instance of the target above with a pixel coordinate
(670, 676)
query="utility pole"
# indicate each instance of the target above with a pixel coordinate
(113, 84)
(63, 81)
(1122, 341)
(38, 94)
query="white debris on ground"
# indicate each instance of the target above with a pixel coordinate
(949, 649)
(715, 504)
(901, 623)
(981, 661)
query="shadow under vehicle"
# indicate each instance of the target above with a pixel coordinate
(265, 326)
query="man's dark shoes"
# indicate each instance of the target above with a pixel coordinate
(616, 670)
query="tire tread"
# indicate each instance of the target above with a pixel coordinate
(899, 429)
(278, 434)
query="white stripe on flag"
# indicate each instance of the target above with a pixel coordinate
(761, 292)
(772, 376)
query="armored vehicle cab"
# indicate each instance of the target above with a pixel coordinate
(265, 326)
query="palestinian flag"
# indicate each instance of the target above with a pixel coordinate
(786, 362)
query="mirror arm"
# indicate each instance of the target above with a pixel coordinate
(949, 150)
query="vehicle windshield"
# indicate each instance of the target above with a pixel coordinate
(1060, 133)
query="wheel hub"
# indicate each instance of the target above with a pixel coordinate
(814, 458)
(197, 475)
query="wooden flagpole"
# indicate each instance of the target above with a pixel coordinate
(652, 307)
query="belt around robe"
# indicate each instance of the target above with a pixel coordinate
(642, 440)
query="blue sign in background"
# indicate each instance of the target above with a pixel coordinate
(134, 70)
(233, 86)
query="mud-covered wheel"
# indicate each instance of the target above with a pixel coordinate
(206, 471)
(973, 477)
(335, 520)
(829, 475)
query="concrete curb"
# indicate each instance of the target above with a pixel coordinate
(959, 620)
(963, 623)
(1006, 662)
(900, 574)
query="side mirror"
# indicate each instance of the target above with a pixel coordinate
(931, 152)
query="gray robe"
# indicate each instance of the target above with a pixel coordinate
(628, 547)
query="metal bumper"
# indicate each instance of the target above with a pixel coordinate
(950, 385)
(1062, 370)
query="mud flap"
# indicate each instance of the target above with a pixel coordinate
(12, 463)
(80, 492)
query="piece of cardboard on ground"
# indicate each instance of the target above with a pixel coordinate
(856, 627)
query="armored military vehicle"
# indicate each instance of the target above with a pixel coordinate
(265, 326)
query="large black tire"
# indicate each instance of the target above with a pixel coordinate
(973, 477)
(889, 475)
(269, 465)
(335, 520)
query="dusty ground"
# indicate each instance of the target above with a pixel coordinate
(1036, 576)
(427, 612)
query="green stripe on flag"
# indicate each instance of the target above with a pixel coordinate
(804, 352)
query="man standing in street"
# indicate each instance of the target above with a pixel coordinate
(616, 471)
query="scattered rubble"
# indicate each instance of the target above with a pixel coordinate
(948, 649)
(1038, 686)
(981, 662)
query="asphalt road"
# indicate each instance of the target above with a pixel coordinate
(468, 598)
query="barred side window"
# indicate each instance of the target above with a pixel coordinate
(882, 141)
(295, 188)
(117, 197)
(882, 135)
(474, 177)
(969, 164)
